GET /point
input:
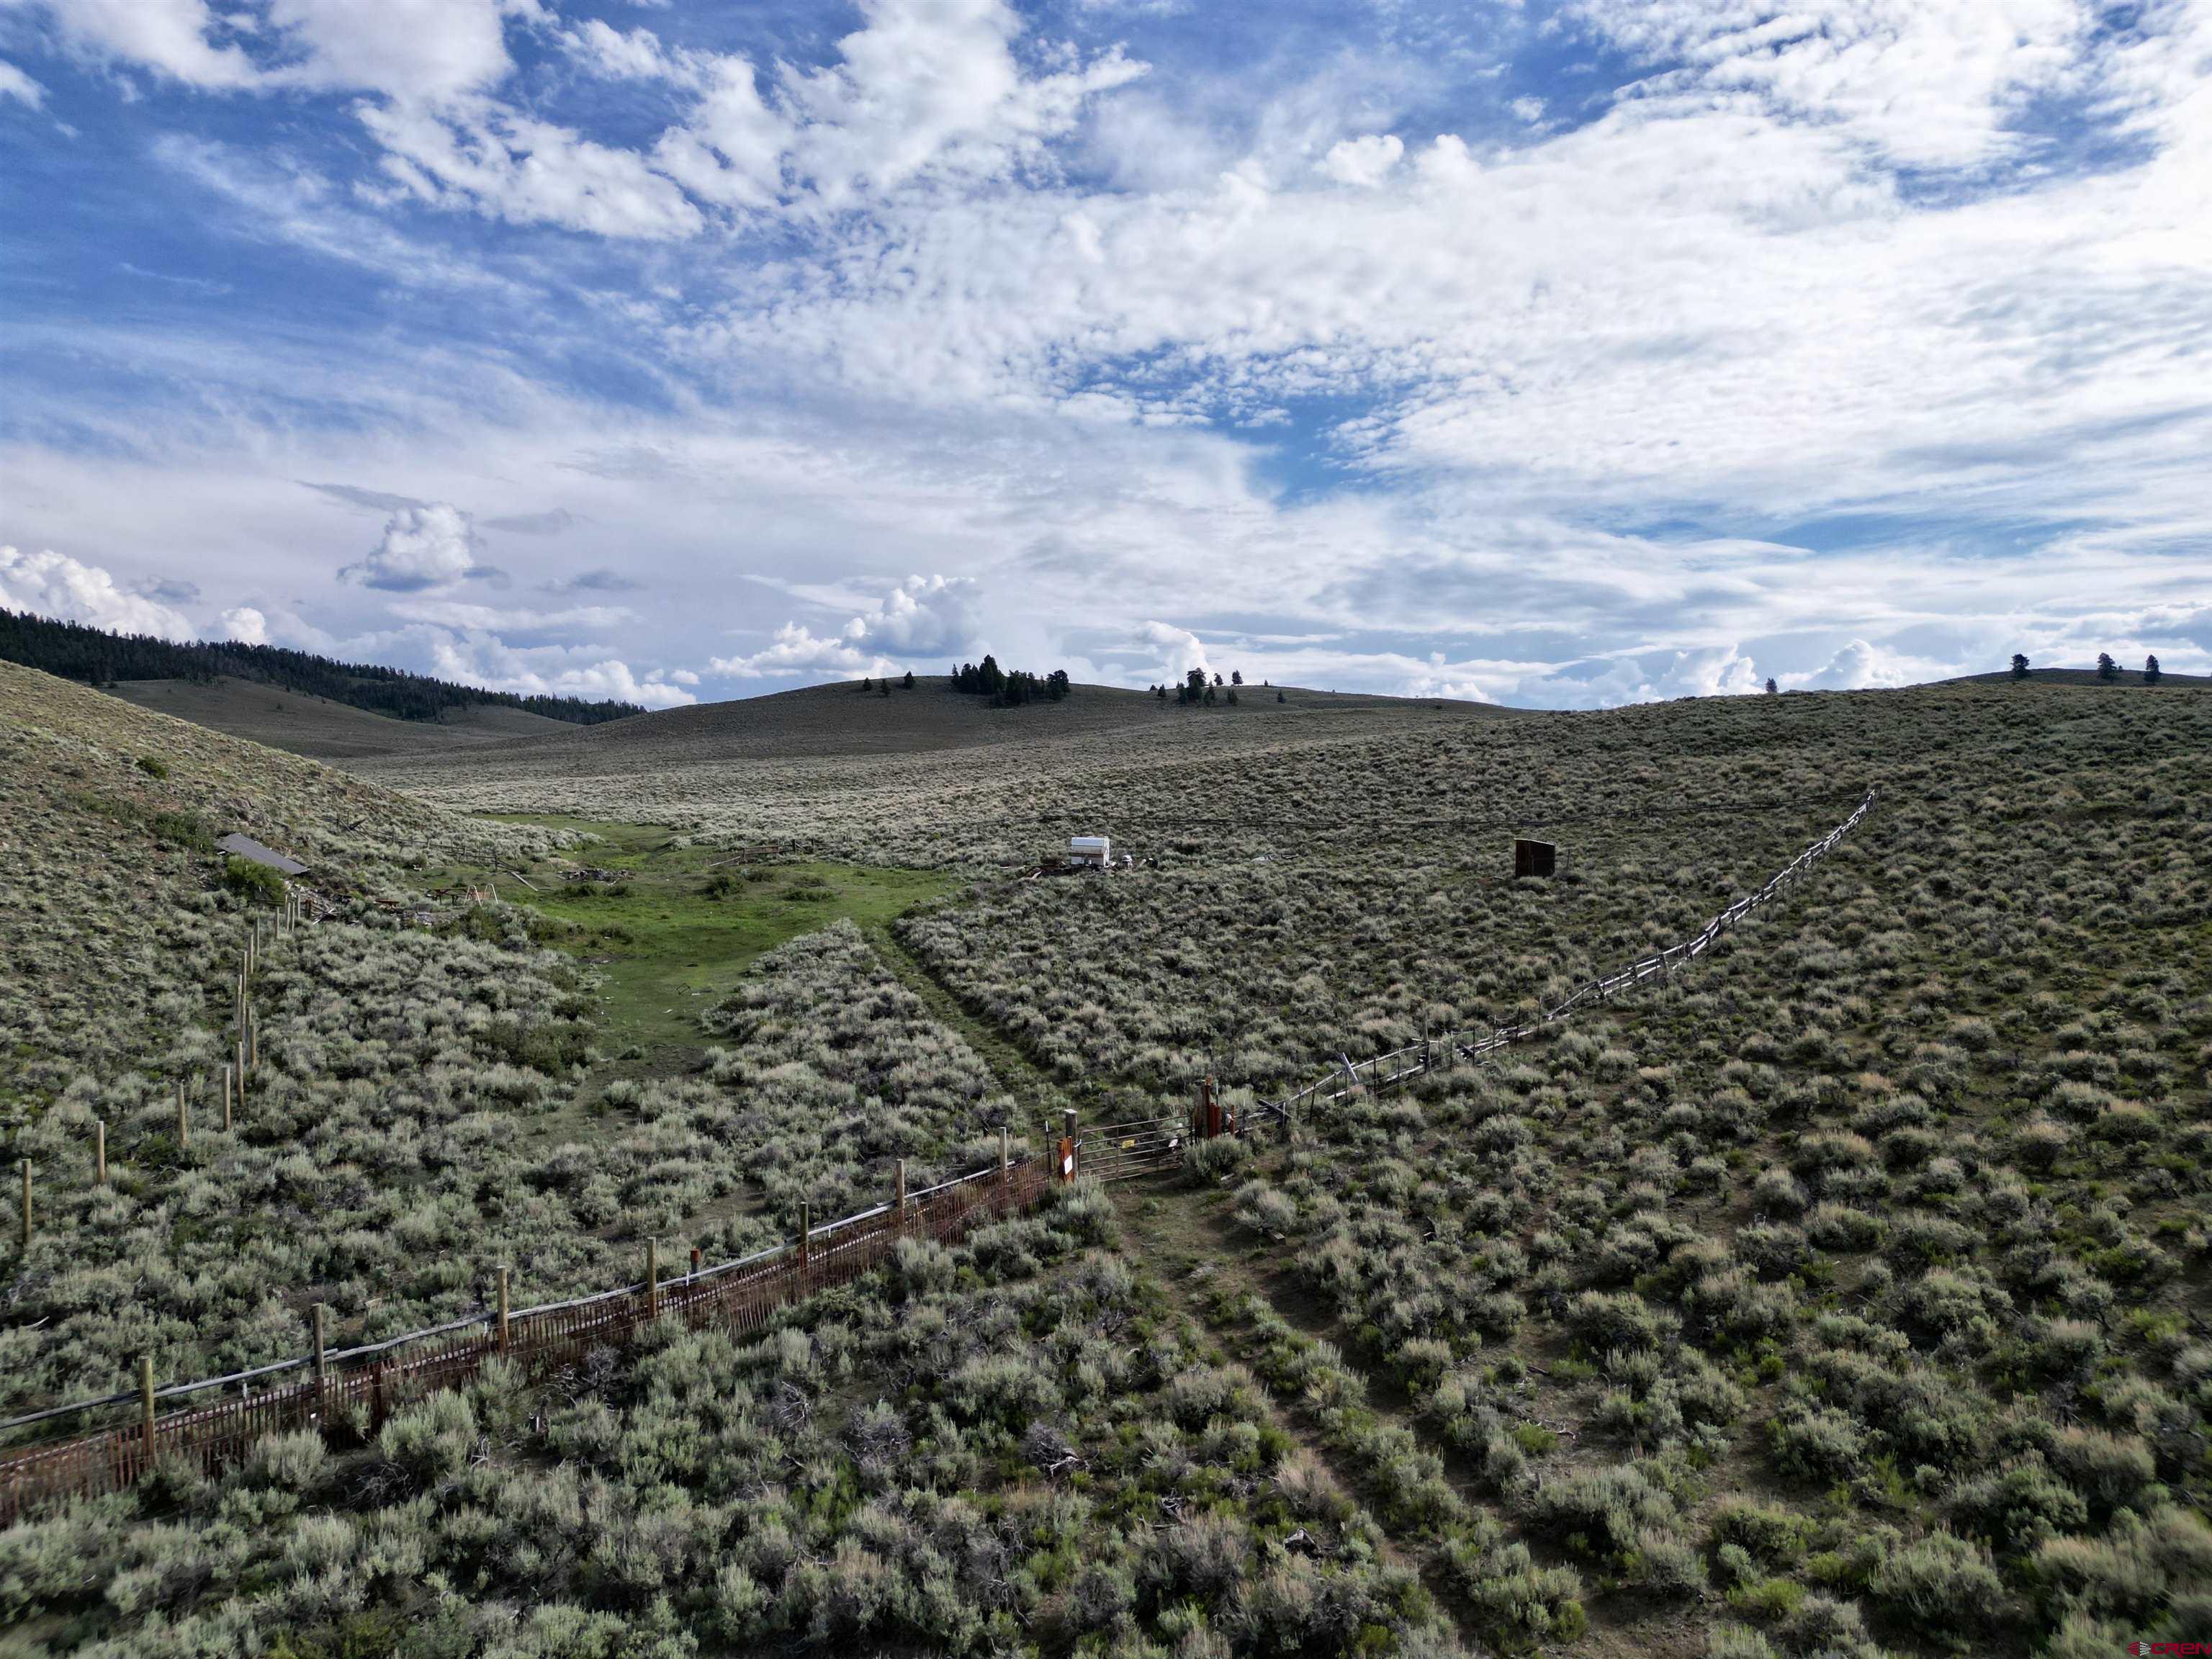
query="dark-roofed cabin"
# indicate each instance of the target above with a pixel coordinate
(246, 847)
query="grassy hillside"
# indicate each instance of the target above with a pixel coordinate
(2130, 675)
(1845, 1296)
(304, 725)
(824, 721)
(974, 1452)
(927, 776)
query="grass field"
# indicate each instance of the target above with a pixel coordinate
(683, 921)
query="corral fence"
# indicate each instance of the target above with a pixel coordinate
(1121, 1151)
(349, 1393)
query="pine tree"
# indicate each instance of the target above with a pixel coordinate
(2019, 666)
(2106, 668)
(2151, 671)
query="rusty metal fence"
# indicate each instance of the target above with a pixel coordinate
(351, 1392)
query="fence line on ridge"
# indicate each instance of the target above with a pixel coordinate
(1120, 1151)
(1384, 1071)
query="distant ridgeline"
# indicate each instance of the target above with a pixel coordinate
(1007, 687)
(74, 652)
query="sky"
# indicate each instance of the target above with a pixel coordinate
(1562, 353)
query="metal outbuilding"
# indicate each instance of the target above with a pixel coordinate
(246, 847)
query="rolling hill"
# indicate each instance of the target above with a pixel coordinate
(303, 724)
(923, 776)
(821, 720)
(2131, 675)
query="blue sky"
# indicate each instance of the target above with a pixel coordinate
(1558, 353)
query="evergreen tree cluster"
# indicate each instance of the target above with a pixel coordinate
(73, 651)
(1009, 688)
(1195, 690)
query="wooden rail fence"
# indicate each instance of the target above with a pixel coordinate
(1401, 1064)
(355, 1389)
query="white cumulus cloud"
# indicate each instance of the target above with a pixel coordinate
(1857, 666)
(920, 616)
(1364, 161)
(431, 546)
(798, 650)
(50, 584)
(475, 657)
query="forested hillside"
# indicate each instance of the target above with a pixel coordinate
(95, 657)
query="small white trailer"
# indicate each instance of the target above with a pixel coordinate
(1090, 851)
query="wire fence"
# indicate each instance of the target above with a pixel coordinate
(349, 1395)
(1402, 1064)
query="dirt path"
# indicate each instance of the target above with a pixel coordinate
(1023, 1078)
(1173, 1234)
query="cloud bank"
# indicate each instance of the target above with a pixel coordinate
(1850, 343)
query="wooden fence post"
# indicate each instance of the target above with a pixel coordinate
(99, 1153)
(1006, 1166)
(240, 1067)
(322, 1365)
(805, 1238)
(183, 1118)
(502, 1310)
(898, 1197)
(26, 1205)
(226, 1096)
(652, 1280)
(146, 1404)
(1067, 1144)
